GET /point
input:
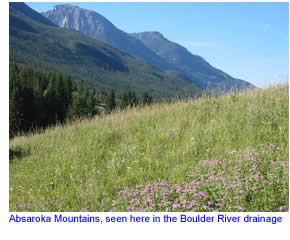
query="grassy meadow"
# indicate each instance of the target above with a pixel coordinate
(228, 153)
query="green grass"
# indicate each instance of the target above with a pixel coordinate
(86, 164)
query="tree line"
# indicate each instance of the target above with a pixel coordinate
(41, 99)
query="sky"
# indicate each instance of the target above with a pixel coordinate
(247, 40)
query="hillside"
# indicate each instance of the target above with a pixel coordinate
(152, 47)
(41, 45)
(99, 28)
(193, 66)
(212, 154)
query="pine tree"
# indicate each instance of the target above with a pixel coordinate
(133, 101)
(124, 100)
(68, 88)
(60, 98)
(110, 101)
(51, 100)
(78, 107)
(16, 106)
(146, 98)
(91, 104)
(28, 108)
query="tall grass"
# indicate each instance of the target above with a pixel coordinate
(105, 163)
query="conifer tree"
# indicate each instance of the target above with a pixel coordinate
(51, 99)
(124, 100)
(133, 101)
(68, 88)
(110, 101)
(60, 98)
(77, 108)
(16, 106)
(146, 98)
(91, 104)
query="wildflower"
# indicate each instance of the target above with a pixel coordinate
(147, 202)
(284, 165)
(256, 176)
(134, 202)
(283, 208)
(207, 207)
(202, 194)
(219, 204)
(193, 203)
(237, 207)
(163, 183)
(255, 188)
(174, 206)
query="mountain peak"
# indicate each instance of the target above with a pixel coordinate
(65, 6)
(150, 34)
(96, 26)
(80, 19)
(150, 46)
(156, 33)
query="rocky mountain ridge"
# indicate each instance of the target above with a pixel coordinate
(151, 47)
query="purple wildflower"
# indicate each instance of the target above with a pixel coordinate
(147, 202)
(237, 207)
(174, 206)
(283, 208)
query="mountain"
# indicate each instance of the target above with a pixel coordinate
(149, 46)
(193, 66)
(37, 43)
(98, 27)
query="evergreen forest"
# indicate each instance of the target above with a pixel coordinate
(41, 99)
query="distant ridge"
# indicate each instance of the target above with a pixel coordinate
(98, 27)
(193, 66)
(152, 47)
(21, 7)
(39, 44)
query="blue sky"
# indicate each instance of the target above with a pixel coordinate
(247, 40)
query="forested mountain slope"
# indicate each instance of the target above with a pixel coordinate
(39, 44)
